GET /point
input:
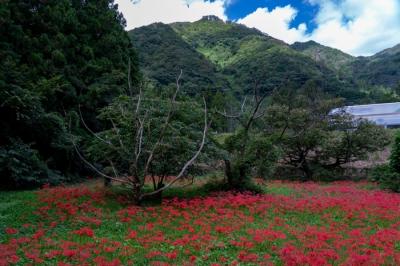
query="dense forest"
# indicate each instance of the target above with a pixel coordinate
(80, 96)
(56, 56)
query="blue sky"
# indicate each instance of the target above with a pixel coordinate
(241, 8)
(357, 27)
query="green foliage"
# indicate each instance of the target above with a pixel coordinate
(236, 56)
(272, 68)
(387, 177)
(54, 57)
(319, 142)
(222, 43)
(333, 58)
(148, 136)
(378, 94)
(395, 154)
(249, 150)
(373, 72)
(380, 69)
(179, 142)
(163, 53)
(21, 167)
(254, 151)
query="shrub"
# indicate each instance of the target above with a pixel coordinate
(395, 154)
(387, 177)
(22, 167)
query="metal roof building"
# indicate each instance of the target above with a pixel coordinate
(384, 114)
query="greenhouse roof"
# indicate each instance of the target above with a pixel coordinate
(387, 114)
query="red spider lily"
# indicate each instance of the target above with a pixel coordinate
(132, 234)
(341, 224)
(11, 231)
(172, 255)
(247, 257)
(84, 231)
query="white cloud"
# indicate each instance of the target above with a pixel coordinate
(276, 23)
(358, 27)
(230, 2)
(144, 12)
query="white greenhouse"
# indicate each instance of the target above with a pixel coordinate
(384, 114)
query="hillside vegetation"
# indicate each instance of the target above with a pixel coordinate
(56, 56)
(239, 56)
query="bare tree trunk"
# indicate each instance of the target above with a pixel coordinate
(235, 174)
(228, 172)
(242, 175)
(137, 194)
(158, 195)
(308, 173)
(107, 182)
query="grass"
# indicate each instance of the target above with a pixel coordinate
(340, 223)
(16, 208)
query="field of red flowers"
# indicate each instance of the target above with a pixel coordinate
(292, 224)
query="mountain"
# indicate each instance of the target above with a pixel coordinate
(163, 53)
(245, 56)
(332, 58)
(232, 57)
(380, 69)
(223, 43)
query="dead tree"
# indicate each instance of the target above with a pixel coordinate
(140, 155)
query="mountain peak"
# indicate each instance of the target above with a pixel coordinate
(211, 18)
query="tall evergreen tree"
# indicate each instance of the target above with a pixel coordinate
(55, 55)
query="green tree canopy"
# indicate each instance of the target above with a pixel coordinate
(56, 55)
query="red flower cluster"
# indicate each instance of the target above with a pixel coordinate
(84, 231)
(341, 224)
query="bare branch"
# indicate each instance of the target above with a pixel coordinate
(113, 168)
(91, 131)
(139, 100)
(190, 183)
(139, 142)
(116, 130)
(166, 123)
(88, 163)
(243, 104)
(191, 161)
(259, 116)
(129, 77)
(227, 115)
(254, 116)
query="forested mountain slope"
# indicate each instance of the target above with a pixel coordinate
(380, 69)
(163, 53)
(238, 55)
(332, 58)
(232, 57)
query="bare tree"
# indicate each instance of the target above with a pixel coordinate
(138, 148)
